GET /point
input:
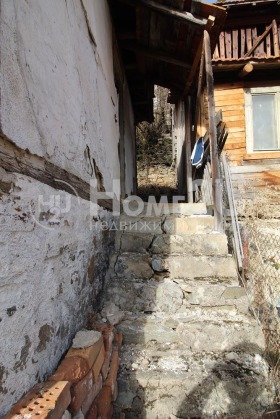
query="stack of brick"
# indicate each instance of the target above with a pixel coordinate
(83, 386)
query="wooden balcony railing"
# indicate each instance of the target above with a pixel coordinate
(250, 42)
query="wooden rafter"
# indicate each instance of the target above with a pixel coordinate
(156, 54)
(185, 17)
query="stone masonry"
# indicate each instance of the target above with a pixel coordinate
(191, 346)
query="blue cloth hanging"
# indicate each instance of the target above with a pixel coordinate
(197, 153)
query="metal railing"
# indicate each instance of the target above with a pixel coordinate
(237, 242)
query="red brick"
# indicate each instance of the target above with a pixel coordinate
(92, 413)
(117, 343)
(115, 395)
(108, 340)
(106, 365)
(92, 394)
(44, 400)
(88, 354)
(71, 369)
(79, 393)
(98, 364)
(112, 377)
(108, 335)
(104, 328)
(104, 404)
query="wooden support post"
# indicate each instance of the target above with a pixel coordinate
(196, 61)
(247, 69)
(199, 91)
(188, 148)
(215, 166)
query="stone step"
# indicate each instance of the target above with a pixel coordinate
(220, 331)
(159, 209)
(195, 224)
(174, 296)
(166, 244)
(134, 265)
(171, 383)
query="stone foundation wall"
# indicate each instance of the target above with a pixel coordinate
(53, 267)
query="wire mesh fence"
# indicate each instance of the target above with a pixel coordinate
(263, 272)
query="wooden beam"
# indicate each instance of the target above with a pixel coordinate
(156, 54)
(199, 91)
(258, 41)
(196, 61)
(216, 175)
(183, 16)
(248, 68)
(15, 159)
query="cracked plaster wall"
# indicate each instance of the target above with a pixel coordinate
(59, 101)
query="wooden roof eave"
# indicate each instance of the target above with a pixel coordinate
(173, 64)
(183, 16)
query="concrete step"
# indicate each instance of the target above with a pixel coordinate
(172, 224)
(170, 383)
(142, 266)
(223, 329)
(159, 209)
(166, 244)
(175, 296)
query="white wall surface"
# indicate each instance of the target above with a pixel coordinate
(57, 88)
(59, 101)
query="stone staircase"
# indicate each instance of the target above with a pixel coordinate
(191, 347)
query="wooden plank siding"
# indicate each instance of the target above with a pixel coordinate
(257, 169)
(245, 168)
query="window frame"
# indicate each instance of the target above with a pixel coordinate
(249, 92)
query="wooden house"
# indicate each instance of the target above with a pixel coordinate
(246, 65)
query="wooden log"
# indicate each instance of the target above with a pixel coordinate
(247, 69)
(216, 176)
